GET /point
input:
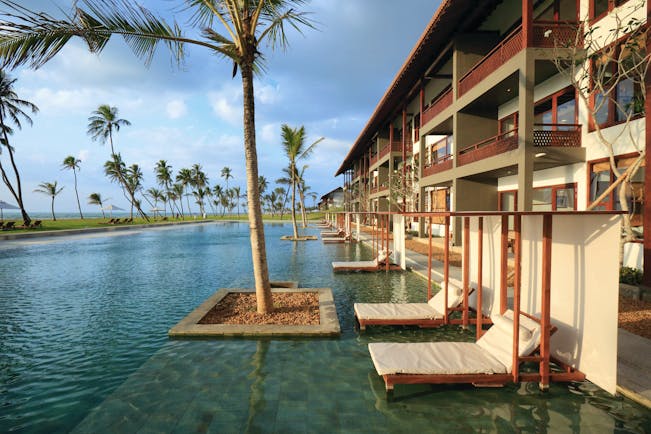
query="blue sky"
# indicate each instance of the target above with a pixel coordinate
(329, 80)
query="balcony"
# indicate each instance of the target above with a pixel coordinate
(379, 189)
(557, 135)
(546, 34)
(496, 145)
(441, 103)
(439, 166)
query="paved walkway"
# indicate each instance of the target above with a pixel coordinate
(633, 352)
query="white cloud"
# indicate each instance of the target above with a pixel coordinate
(270, 133)
(83, 155)
(176, 109)
(267, 94)
(227, 104)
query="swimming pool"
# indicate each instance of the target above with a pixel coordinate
(83, 326)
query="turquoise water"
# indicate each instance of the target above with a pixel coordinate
(83, 345)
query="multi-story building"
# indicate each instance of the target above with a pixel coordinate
(481, 113)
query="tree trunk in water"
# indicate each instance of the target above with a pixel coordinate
(256, 227)
(77, 194)
(301, 197)
(294, 204)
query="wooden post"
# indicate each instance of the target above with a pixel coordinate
(527, 23)
(446, 264)
(647, 169)
(429, 261)
(387, 262)
(517, 227)
(545, 323)
(504, 262)
(466, 269)
(480, 272)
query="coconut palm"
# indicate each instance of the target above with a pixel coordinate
(226, 174)
(51, 189)
(164, 177)
(295, 150)
(185, 178)
(72, 163)
(96, 199)
(12, 109)
(101, 124)
(237, 195)
(156, 195)
(177, 190)
(249, 25)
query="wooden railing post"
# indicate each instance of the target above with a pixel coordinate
(480, 272)
(446, 264)
(545, 323)
(429, 259)
(466, 269)
(504, 262)
(517, 246)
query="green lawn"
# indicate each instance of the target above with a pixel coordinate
(62, 224)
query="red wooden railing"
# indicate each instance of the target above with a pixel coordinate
(546, 34)
(550, 34)
(379, 189)
(442, 102)
(505, 50)
(560, 135)
(499, 144)
(439, 166)
(374, 159)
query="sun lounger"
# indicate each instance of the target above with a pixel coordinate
(9, 226)
(374, 265)
(36, 224)
(427, 314)
(485, 362)
(339, 239)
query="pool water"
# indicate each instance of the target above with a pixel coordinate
(84, 347)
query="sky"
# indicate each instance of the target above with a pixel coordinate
(329, 80)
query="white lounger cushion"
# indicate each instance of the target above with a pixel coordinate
(455, 296)
(395, 311)
(498, 340)
(432, 358)
(354, 264)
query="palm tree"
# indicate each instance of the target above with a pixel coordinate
(164, 176)
(101, 124)
(295, 150)
(50, 189)
(35, 37)
(177, 191)
(226, 174)
(12, 109)
(218, 192)
(156, 195)
(185, 178)
(96, 199)
(237, 194)
(72, 163)
(263, 184)
(200, 181)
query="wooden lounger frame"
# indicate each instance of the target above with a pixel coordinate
(544, 359)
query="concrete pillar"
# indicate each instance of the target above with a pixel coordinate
(525, 132)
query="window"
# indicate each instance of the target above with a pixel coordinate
(616, 71)
(441, 150)
(599, 8)
(508, 126)
(601, 177)
(554, 198)
(557, 112)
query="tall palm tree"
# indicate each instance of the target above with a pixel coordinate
(72, 163)
(185, 178)
(237, 195)
(226, 174)
(218, 192)
(164, 176)
(295, 150)
(51, 189)
(249, 25)
(12, 109)
(101, 124)
(96, 199)
(263, 184)
(200, 182)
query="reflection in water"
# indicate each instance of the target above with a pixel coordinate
(257, 403)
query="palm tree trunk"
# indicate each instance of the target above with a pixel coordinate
(294, 204)
(77, 194)
(301, 197)
(52, 207)
(18, 195)
(256, 226)
(124, 182)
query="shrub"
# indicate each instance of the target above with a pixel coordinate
(632, 276)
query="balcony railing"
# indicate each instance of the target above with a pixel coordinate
(550, 34)
(374, 159)
(441, 103)
(546, 34)
(496, 145)
(504, 51)
(557, 135)
(379, 189)
(439, 166)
